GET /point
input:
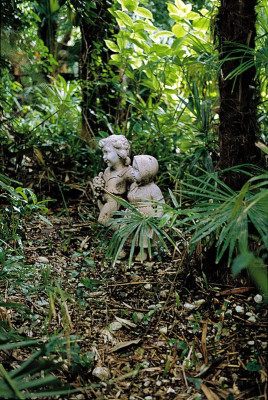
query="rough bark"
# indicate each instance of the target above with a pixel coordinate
(98, 91)
(238, 96)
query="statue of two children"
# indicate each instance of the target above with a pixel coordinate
(135, 182)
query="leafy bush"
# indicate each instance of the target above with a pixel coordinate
(18, 204)
(232, 221)
(130, 228)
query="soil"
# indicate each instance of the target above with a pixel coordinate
(161, 329)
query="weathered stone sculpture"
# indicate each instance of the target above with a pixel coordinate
(115, 178)
(144, 170)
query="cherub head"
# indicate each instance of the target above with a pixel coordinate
(144, 169)
(115, 150)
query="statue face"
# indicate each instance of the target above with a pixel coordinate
(136, 172)
(110, 156)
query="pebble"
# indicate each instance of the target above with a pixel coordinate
(148, 286)
(148, 398)
(199, 302)
(163, 330)
(158, 383)
(115, 326)
(163, 293)
(140, 316)
(170, 390)
(149, 264)
(251, 342)
(239, 309)
(189, 306)
(147, 383)
(258, 299)
(252, 319)
(43, 260)
(102, 373)
(145, 364)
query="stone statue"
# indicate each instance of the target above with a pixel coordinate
(116, 177)
(143, 189)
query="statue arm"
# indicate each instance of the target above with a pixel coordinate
(156, 195)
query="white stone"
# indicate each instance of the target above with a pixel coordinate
(163, 293)
(239, 309)
(148, 286)
(140, 316)
(170, 390)
(101, 373)
(189, 306)
(258, 299)
(199, 302)
(251, 342)
(145, 364)
(252, 319)
(163, 330)
(43, 260)
(115, 326)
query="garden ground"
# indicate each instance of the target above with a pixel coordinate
(157, 330)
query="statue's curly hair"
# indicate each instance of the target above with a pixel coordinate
(120, 143)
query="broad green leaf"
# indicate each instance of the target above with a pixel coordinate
(139, 26)
(163, 34)
(135, 62)
(142, 35)
(176, 46)
(173, 9)
(147, 25)
(160, 49)
(129, 74)
(130, 5)
(179, 30)
(196, 381)
(193, 16)
(122, 42)
(140, 43)
(54, 6)
(116, 58)
(124, 18)
(182, 6)
(202, 24)
(253, 366)
(143, 12)
(111, 45)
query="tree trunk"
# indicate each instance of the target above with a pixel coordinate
(100, 98)
(238, 96)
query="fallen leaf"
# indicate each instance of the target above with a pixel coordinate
(122, 345)
(126, 322)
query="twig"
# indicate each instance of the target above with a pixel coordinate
(171, 289)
